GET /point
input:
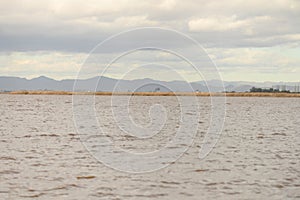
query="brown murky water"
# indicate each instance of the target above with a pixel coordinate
(257, 156)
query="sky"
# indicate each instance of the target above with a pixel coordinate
(255, 40)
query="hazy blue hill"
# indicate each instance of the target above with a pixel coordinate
(42, 83)
(13, 83)
(143, 85)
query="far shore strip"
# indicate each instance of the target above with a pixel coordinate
(204, 94)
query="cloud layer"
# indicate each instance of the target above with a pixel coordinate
(256, 35)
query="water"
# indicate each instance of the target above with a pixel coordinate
(257, 156)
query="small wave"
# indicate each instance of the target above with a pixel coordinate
(7, 158)
(86, 177)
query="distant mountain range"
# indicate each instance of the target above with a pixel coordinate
(142, 85)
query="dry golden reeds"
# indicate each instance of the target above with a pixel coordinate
(204, 94)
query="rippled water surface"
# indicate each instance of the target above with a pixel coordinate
(257, 156)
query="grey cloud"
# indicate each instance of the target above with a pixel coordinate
(76, 27)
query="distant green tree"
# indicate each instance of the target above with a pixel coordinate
(254, 89)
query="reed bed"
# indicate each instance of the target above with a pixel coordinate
(204, 94)
(262, 94)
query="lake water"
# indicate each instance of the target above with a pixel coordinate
(256, 157)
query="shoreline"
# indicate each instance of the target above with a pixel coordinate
(203, 94)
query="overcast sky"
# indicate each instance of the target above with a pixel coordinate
(255, 40)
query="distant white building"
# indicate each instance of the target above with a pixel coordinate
(283, 88)
(297, 88)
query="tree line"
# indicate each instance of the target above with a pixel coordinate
(255, 89)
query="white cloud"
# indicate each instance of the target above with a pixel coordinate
(216, 24)
(32, 64)
(167, 4)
